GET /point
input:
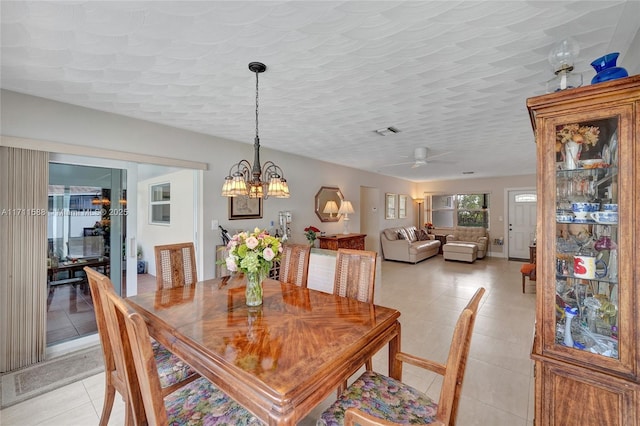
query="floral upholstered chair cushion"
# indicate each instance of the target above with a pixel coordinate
(201, 403)
(171, 369)
(382, 397)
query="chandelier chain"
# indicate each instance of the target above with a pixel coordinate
(256, 105)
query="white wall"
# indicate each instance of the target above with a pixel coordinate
(181, 228)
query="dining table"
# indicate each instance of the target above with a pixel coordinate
(70, 267)
(280, 359)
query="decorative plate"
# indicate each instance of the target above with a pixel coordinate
(606, 154)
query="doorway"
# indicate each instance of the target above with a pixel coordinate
(87, 208)
(369, 217)
(522, 222)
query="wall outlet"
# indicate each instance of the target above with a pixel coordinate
(214, 224)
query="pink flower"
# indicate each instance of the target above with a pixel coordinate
(252, 242)
(268, 254)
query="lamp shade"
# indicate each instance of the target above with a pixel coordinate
(346, 208)
(331, 207)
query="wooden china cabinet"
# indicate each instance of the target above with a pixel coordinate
(587, 338)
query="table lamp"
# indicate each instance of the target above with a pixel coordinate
(346, 208)
(331, 207)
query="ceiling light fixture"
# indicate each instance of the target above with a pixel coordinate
(245, 180)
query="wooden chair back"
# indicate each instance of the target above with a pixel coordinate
(355, 274)
(130, 331)
(457, 361)
(175, 265)
(294, 264)
(114, 354)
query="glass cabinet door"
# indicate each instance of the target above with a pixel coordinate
(587, 235)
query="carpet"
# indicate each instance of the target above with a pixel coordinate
(28, 382)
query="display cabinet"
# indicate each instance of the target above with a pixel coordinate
(586, 347)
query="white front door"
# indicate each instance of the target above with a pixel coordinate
(522, 222)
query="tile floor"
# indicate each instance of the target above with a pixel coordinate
(70, 310)
(498, 388)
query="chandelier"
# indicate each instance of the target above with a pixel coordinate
(245, 180)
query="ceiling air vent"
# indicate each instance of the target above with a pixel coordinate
(387, 131)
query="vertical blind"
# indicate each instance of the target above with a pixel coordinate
(24, 176)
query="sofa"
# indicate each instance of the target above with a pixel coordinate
(402, 244)
(471, 234)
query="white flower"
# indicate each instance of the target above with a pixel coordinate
(231, 264)
(268, 254)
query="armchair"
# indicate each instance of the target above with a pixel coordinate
(471, 234)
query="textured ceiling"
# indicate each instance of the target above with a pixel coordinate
(453, 76)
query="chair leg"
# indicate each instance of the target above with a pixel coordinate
(107, 405)
(368, 365)
(523, 278)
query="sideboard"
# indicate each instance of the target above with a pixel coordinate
(349, 241)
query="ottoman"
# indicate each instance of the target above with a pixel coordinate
(466, 252)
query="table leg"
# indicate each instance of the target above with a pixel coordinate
(395, 366)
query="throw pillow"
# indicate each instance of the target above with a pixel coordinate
(423, 235)
(400, 236)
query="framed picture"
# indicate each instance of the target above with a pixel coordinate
(402, 206)
(390, 206)
(245, 208)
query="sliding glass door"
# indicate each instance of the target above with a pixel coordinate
(86, 227)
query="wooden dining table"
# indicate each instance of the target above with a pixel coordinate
(70, 268)
(280, 359)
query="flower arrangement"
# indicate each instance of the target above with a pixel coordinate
(253, 253)
(585, 135)
(310, 233)
(428, 225)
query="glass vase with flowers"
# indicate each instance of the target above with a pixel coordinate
(311, 233)
(253, 254)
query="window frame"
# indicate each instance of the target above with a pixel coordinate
(163, 203)
(453, 207)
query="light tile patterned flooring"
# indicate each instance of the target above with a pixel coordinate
(498, 387)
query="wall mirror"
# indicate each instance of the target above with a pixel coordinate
(390, 206)
(328, 201)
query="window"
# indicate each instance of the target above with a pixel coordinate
(526, 198)
(160, 201)
(452, 210)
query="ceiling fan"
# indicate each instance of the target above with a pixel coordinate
(420, 158)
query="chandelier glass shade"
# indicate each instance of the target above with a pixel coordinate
(255, 181)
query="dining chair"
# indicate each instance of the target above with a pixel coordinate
(375, 399)
(175, 265)
(528, 270)
(197, 402)
(173, 372)
(355, 278)
(294, 264)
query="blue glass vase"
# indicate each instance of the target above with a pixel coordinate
(606, 68)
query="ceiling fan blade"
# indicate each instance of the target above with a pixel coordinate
(397, 164)
(439, 155)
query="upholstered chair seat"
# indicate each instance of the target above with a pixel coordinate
(384, 398)
(202, 403)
